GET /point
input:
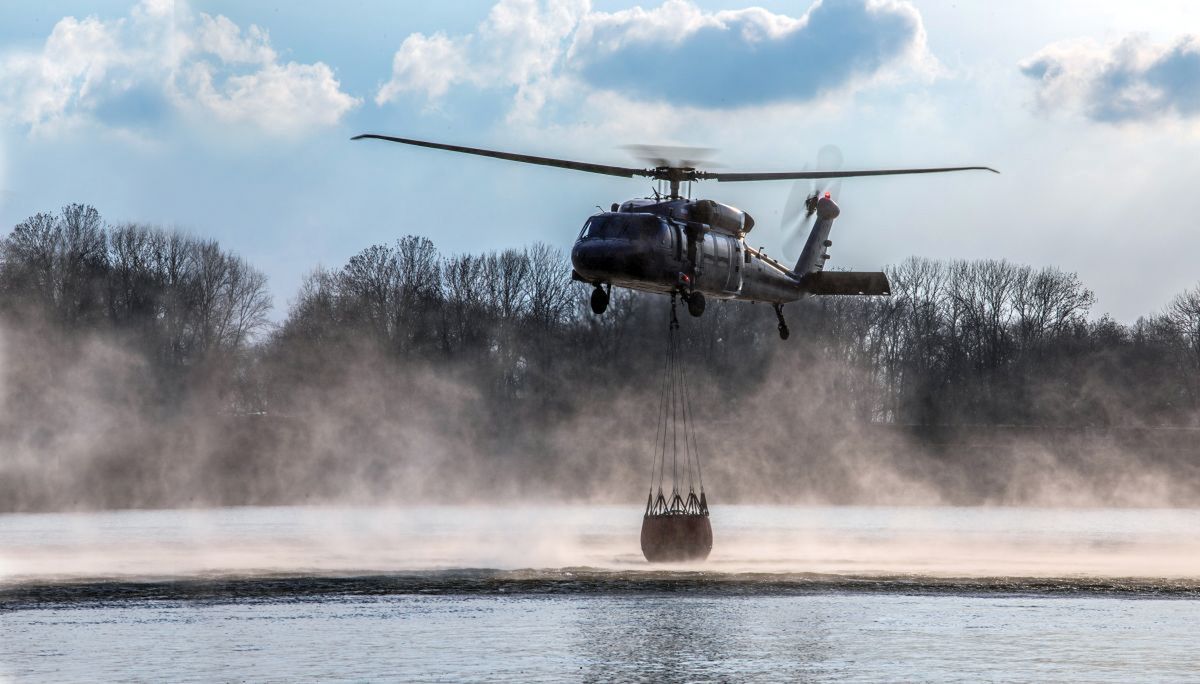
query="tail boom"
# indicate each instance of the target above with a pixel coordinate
(846, 283)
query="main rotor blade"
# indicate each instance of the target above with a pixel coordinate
(802, 175)
(621, 171)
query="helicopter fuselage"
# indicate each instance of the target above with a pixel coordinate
(661, 247)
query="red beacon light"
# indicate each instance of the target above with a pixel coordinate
(827, 195)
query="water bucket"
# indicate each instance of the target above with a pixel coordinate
(676, 537)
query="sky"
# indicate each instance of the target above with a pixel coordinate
(232, 120)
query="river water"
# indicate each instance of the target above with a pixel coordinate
(561, 592)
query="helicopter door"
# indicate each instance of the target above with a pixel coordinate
(734, 248)
(726, 266)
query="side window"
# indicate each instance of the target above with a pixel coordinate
(587, 228)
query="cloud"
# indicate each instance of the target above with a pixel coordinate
(744, 57)
(429, 64)
(285, 98)
(519, 46)
(161, 60)
(1131, 80)
(675, 53)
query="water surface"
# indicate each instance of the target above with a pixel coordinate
(553, 593)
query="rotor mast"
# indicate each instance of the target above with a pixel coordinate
(674, 176)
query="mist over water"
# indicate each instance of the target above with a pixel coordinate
(379, 434)
(539, 593)
(867, 542)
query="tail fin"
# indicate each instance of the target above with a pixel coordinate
(812, 259)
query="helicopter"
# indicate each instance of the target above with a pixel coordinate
(696, 248)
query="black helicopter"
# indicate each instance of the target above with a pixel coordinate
(696, 248)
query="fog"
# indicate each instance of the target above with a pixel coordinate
(137, 370)
(869, 542)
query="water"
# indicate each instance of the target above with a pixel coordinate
(547, 593)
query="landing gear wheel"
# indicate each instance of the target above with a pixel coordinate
(695, 302)
(599, 300)
(784, 333)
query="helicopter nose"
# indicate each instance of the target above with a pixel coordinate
(601, 259)
(591, 257)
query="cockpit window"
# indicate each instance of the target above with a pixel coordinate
(591, 228)
(628, 226)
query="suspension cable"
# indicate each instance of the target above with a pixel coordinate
(674, 394)
(675, 404)
(687, 398)
(660, 429)
(685, 411)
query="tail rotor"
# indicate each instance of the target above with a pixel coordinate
(801, 206)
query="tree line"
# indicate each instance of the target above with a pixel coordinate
(971, 342)
(192, 309)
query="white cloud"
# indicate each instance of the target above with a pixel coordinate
(741, 58)
(428, 64)
(222, 38)
(75, 63)
(518, 46)
(676, 53)
(1130, 80)
(673, 23)
(285, 98)
(159, 60)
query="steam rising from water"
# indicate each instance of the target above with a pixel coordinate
(879, 542)
(382, 434)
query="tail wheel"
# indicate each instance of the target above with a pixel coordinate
(695, 302)
(599, 300)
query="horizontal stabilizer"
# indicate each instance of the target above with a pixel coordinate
(846, 283)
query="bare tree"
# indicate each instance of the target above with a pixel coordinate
(505, 274)
(548, 287)
(1182, 318)
(369, 285)
(247, 302)
(465, 292)
(1047, 302)
(61, 260)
